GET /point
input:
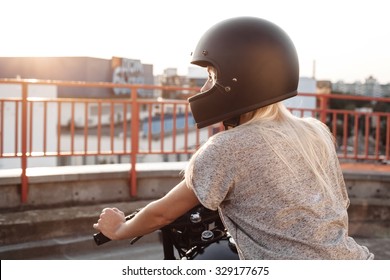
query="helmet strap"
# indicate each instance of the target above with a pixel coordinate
(232, 122)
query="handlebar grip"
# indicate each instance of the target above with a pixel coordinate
(100, 238)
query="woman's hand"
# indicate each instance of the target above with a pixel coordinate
(110, 222)
(155, 215)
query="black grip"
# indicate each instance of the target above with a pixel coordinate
(100, 238)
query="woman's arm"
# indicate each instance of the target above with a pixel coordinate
(155, 215)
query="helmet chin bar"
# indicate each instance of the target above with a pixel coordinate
(232, 122)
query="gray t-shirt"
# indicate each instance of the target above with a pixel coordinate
(270, 212)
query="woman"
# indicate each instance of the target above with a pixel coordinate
(274, 178)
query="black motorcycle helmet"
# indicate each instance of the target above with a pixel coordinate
(256, 64)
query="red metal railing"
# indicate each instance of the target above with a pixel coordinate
(44, 127)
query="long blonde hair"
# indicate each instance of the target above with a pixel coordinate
(306, 136)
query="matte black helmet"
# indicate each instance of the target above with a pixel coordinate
(256, 64)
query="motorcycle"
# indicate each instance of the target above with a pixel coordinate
(197, 235)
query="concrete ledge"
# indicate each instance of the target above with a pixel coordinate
(76, 185)
(80, 185)
(369, 217)
(368, 184)
(378, 176)
(87, 172)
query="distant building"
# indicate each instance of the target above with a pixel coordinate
(115, 70)
(371, 87)
(324, 87)
(386, 90)
(87, 69)
(170, 77)
(132, 71)
(195, 78)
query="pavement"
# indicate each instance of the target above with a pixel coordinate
(83, 248)
(380, 247)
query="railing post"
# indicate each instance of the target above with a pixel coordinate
(24, 179)
(323, 107)
(134, 141)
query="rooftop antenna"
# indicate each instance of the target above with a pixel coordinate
(314, 69)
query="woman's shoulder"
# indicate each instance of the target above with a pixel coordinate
(315, 124)
(236, 138)
(313, 121)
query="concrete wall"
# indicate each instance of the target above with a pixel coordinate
(369, 191)
(78, 185)
(369, 211)
(105, 183)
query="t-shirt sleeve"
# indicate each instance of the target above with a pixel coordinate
(210, 173)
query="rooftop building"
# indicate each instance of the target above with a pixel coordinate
(371, 87)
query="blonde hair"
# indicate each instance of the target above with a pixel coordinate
(306, 136)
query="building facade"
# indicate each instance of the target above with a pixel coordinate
(371, 87)
(86, 69)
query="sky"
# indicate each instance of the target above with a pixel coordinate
(348, 40)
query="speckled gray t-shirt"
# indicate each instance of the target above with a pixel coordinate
(271, 213)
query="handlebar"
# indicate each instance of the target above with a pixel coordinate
(190, 235)
(194, 217)
(100, 238)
